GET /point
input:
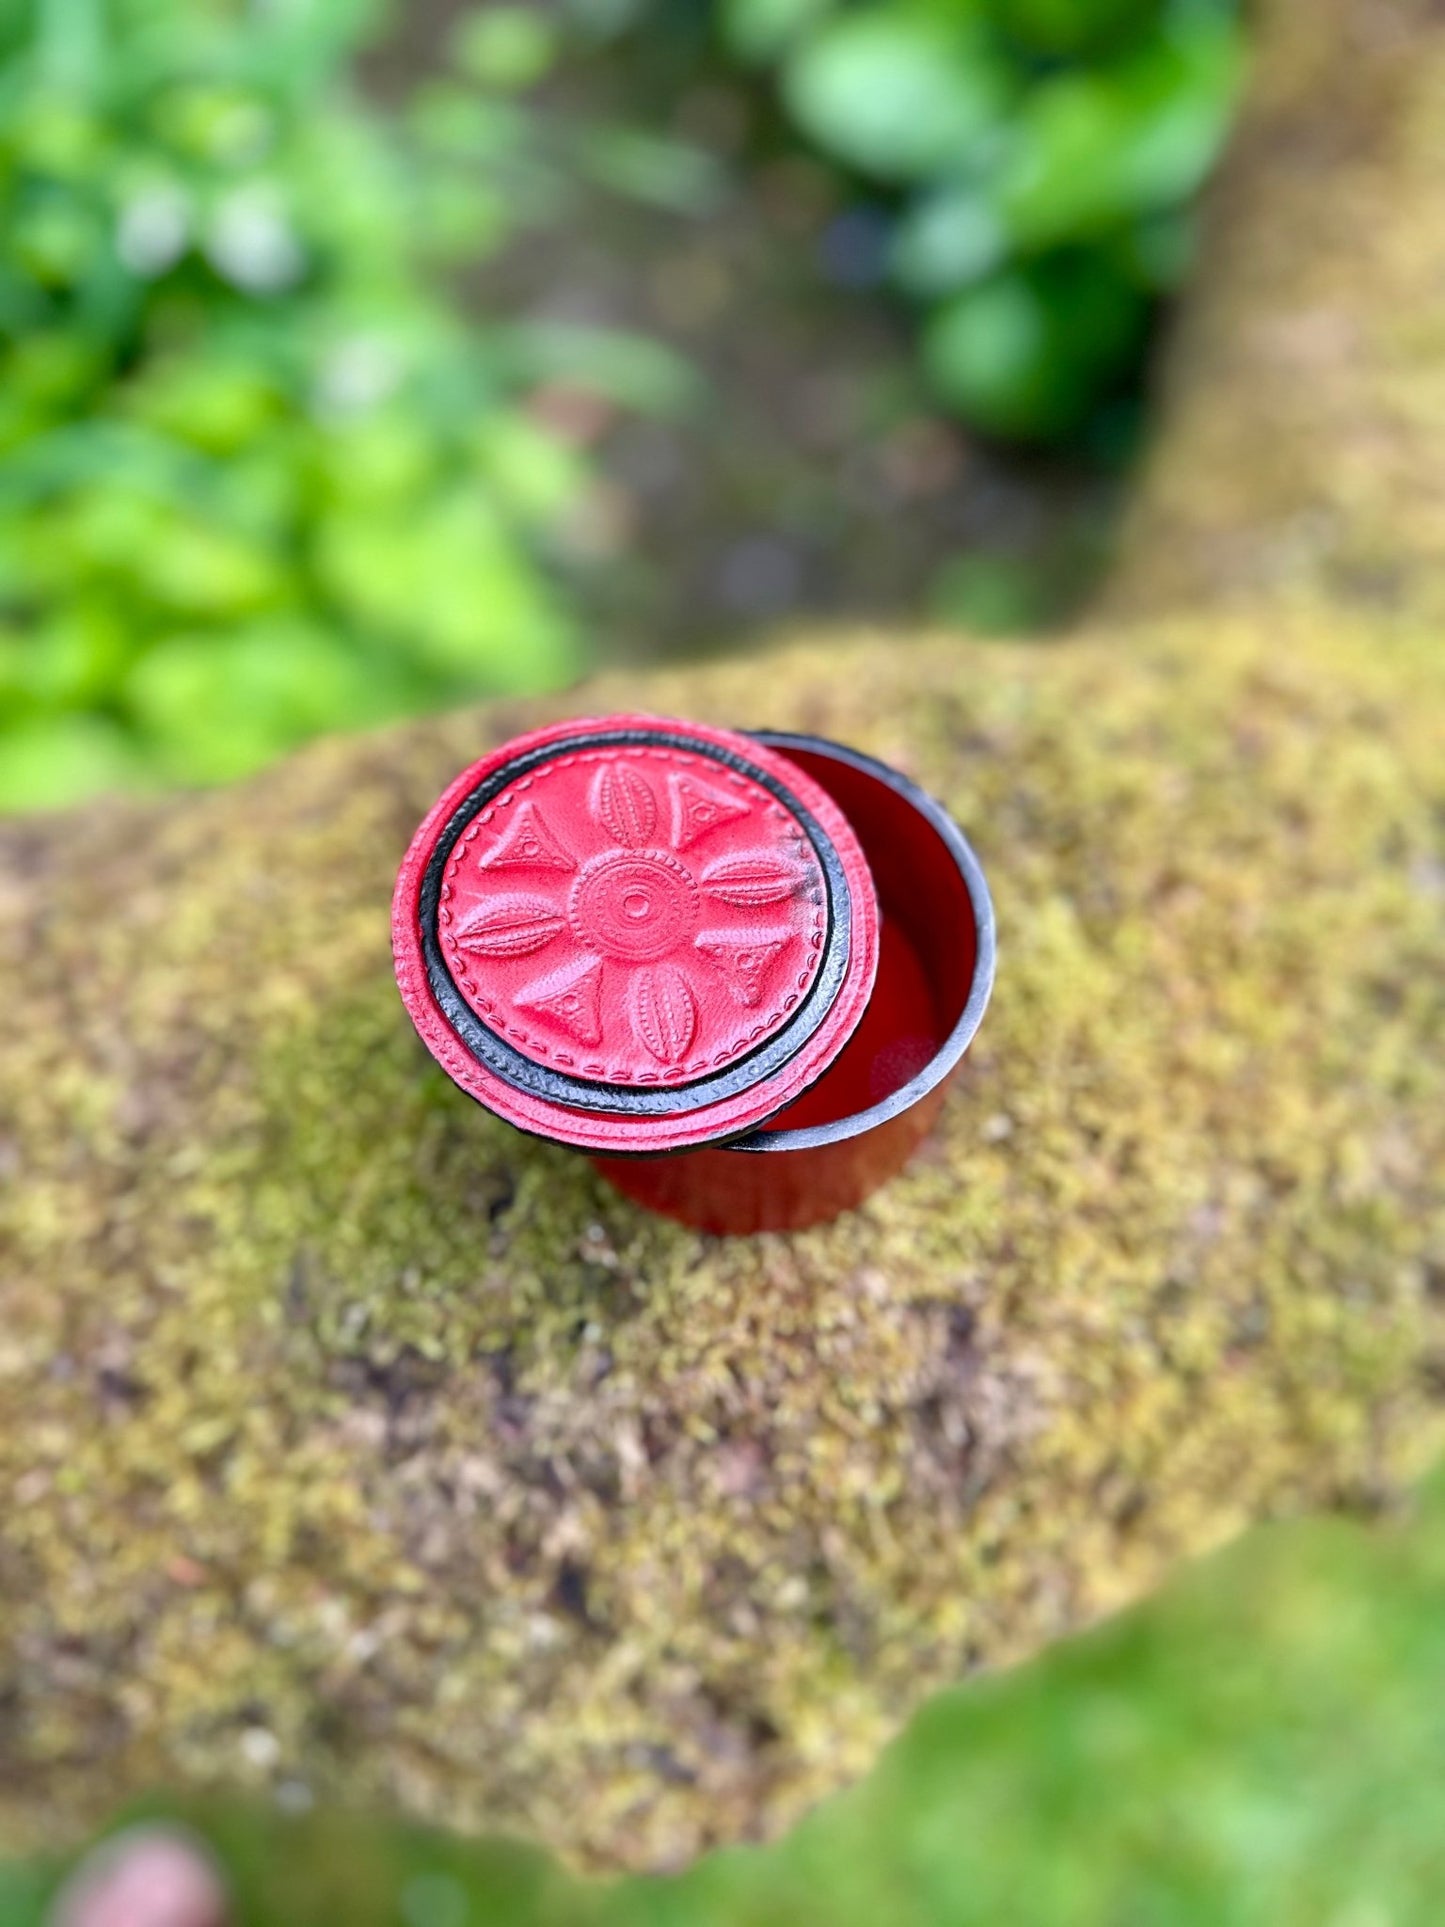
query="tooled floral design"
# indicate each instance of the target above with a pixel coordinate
(637, 908)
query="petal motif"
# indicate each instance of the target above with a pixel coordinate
(527, 843)
(663, 1012)
(509, 927)
(745, 958)
(751, 879)
(623, 803)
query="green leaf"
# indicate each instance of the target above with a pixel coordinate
(671, 174)
(532, 473)
(1094, 148)
(463, 218)
(505, 46)
(199, 568)
(993, 595)
(632, 370)
(763, 30)
(457, 121)
(1071, 29)
(49, 761)
(451, 589)
(216, 403)
(1030, 352)
(387, 460)
(54, 370)
(1158, 250)
(605, 20)
(73, 661)
(261, 476)
(216, 707)
(947, 240)
(223, 126)
(52, 129)
(25, 1886)
(55, 239)
(897, 95)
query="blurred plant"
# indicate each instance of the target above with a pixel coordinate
(257, 475)
(260, 476)
(1041, 158)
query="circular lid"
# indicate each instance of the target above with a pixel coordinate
(630, 934)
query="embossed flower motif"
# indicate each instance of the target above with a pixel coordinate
(636, 907)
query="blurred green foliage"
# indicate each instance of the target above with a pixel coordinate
(262, 475)
(1041, 158)
(1261, 1745)
(258, 477)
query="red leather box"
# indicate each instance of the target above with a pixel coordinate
(736, 970)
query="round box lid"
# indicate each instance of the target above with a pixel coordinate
(630, 934)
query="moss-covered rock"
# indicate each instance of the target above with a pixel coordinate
(350, 1437)
(1304, 398)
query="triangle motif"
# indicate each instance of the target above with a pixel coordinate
(698, 807)
(527, 844)
(745, 958)
(570, 998)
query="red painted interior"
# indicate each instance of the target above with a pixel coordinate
(926, 966)
(926, 960)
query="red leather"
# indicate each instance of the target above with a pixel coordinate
(634, 916)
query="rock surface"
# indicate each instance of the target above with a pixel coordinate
(1305, 401)
(351, 1440)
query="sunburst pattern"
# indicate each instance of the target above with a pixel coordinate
(640, 916)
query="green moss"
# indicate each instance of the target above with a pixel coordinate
(351, 1438)
(1304, 401)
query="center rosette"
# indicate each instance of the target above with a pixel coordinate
(634, 906)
